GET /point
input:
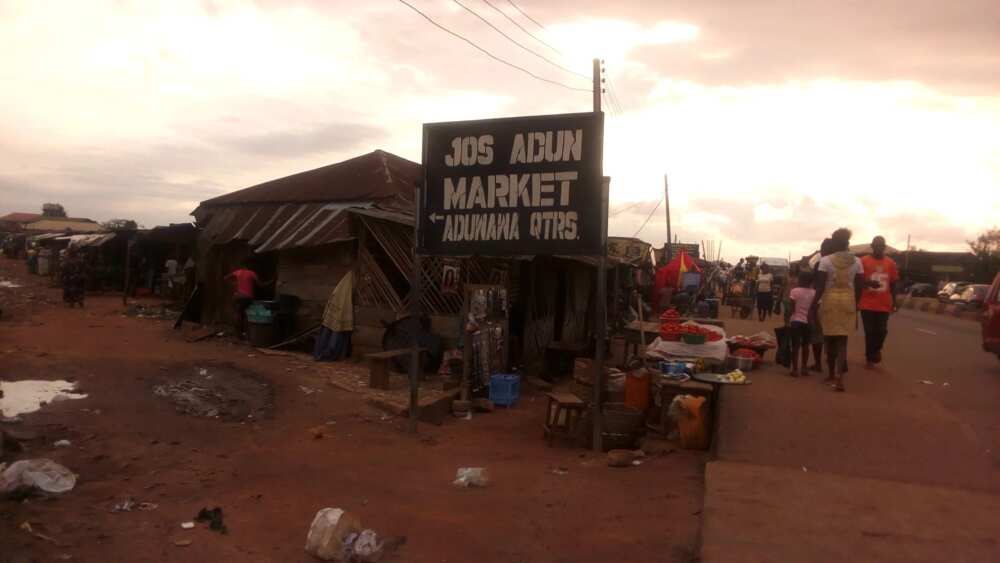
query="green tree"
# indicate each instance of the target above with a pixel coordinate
(986, 248)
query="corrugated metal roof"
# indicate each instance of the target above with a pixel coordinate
(401, 218)
(18, 217)
(280, 227)
(64, 225)
(376, 176)
(80, 241)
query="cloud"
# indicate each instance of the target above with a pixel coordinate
(333, 137)
(777, 121)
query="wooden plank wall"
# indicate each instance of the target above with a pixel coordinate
(311, 274)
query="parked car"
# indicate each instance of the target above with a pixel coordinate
(922, 290)
(991, 319)
(950, 289)
(973, 296)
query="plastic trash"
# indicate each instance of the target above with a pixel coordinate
(366, 547)
(471, 477)
(62, 444)
(329, 532)
(42, 474)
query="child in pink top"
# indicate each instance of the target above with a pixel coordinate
(802, 298)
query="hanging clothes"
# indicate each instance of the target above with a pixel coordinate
(334, 340)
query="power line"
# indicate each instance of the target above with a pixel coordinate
(611, 101)
(614, 96)
(518, 8)
(514, 41)
(658, 204)
(489, 54)
(620, 211)
(609, 106)
(513, 21)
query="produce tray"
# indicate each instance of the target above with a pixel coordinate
(717, 378)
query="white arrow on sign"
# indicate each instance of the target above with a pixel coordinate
(435, 217)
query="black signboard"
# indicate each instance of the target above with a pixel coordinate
(516, 186)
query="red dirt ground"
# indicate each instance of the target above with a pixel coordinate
(270, 475)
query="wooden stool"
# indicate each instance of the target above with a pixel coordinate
(566, 407)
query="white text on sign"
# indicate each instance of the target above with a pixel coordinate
(506, 191)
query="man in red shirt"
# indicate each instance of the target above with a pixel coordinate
(878, 299)
(246, 282)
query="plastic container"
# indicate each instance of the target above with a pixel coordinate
(693, 426)
(739, 362)
(259, 313)
(260, 335)
(637, 384)
(693, 338)
(505, 388)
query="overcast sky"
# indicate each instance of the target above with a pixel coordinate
(777, 120)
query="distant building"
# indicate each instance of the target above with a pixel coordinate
(16, 222)
(36, 223)
(62, 225)
(932, 267)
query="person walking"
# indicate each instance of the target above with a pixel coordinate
(815, 327)
(839, 283)
(801, 299)
(765, 294)
(878, 299)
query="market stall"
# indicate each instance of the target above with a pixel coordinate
(676, 283)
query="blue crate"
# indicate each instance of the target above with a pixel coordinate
(505, 388)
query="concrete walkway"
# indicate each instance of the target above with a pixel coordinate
(885, 472)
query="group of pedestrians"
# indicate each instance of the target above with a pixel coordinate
(828, 299)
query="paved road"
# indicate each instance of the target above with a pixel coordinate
(874, 474)
(943, 349)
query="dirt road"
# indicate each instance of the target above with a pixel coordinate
(270, 473)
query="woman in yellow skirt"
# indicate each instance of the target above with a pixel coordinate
(839, 282)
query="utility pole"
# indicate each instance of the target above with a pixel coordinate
(906, 260)
(601, 324)
(666, 200)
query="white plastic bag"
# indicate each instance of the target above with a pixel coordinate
(366, 547)
(43, 474)
(471, 477)
(329, 535)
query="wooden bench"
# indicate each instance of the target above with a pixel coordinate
(378, 366)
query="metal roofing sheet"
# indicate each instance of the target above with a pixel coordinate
(376, 176)
(80, 241)
(271, 227)
(394, 216)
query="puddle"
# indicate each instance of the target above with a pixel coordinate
(10, 284)
(20, 397)
(220, 391)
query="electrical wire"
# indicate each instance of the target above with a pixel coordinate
(614, 96)
(650, 216)
(609, 88)
(611, 104)
(513, 21)
(514, 41)
(518, 8)
(489, 54)
(620, 211)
